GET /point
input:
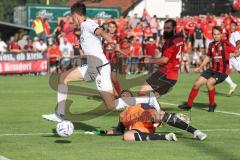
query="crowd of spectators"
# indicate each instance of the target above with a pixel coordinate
(137, 37)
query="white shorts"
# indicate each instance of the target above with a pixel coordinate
(101, 75)
(207, 42)
(235, 63)
(198, 43)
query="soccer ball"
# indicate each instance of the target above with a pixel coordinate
(65, 128)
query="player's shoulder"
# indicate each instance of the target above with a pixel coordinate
(211, 44)
(178, 40)
(89, 22)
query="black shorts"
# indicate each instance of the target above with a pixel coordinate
(219, 77)
(160, 83)
(114, 67)
(53, 62)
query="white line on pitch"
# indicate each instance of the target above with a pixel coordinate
(3, 158)
(42, 134)
(224, 112)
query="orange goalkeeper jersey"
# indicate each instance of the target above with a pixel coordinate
(139, 118)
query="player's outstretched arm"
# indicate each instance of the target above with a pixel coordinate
(204, 63)
(162, 60)
(104, 35)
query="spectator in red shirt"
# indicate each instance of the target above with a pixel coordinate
(46, 27)
(138, 31)
(126, 49)
(137, 51)
(53, 55)
(13, 45)
(147, 32)
(219, 53)
(207, 32)
(150, 50)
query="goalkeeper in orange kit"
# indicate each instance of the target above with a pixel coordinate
(139, 122)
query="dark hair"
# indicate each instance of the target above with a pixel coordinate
(219, 28)
(173, 22)
(233, 22)
(114, 23)
(78, 8)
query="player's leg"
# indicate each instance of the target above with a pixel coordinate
(71, 75)
(115, 81)
(134, 135)
(211, 93)
(157, 82)
(145, 89)
(172, 120)
(182, 66)
(235, 64)
(202, 80)
(105, 87)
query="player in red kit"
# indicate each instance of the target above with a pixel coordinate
(167, 75)
(218, 54)
(111, 55)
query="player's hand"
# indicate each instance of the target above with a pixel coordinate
(113, 45)
(197, 69)
(145, 60)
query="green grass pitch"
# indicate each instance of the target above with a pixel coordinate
(24, 135)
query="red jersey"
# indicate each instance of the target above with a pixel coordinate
(110, 53)
(126, 47)
(225, 34)
(14, 46)
(137, 46)
(219, 52)
(190, 26)
(172, 48)
(138, 32)
(208, 32)
(150, 49)
(147, 32)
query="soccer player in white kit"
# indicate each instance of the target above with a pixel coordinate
(234, 61)
(97, 69)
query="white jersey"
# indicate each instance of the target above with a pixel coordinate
(235, 61)
(234, 37)
(90, 43)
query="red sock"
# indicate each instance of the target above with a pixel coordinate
(211, 94)
(193, 94)
(117, 87)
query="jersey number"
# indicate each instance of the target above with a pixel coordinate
(179, 54)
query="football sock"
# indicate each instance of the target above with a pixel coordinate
(193, 94)
(211, 94)
(172, 120)
(140, 136)
(229, 81)
(129, 101)
(61, 99)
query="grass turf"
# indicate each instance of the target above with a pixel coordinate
(24, 99)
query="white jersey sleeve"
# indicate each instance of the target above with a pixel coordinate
(235, 36)
(92, 26)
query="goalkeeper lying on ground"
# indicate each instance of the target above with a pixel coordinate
(138, 123)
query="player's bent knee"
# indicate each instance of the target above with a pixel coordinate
(129, 136)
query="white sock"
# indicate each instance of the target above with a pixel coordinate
(121, 104)
(61, 98)
(229, 81)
